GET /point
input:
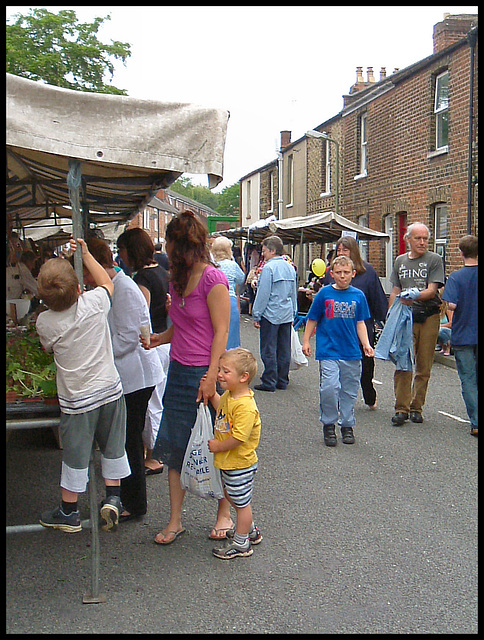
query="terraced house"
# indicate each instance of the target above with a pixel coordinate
(402, 149)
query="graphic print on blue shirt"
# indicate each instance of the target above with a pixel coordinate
(335, 309)
(337, 313)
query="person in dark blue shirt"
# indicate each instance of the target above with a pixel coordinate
(460, 293)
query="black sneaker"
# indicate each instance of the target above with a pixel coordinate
(347, 435)
(232, 551)
(110, 510)
(57, 519)
(329, 435)
(255, 536)
(399, 418)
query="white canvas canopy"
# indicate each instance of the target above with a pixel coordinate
(127, 149)
(320, 227)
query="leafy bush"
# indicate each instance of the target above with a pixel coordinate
(31, 372)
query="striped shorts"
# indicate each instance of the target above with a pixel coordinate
(239, 484)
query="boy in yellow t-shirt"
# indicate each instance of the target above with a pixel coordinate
(237, 433)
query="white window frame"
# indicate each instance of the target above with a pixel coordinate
(249, 199)
(441, 111)
(146, 218)
(271, 190)
(290, 180)
(363, 146)
(441, 235)
(327, 169)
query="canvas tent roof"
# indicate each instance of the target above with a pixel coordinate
(128, 149)
(320, 227)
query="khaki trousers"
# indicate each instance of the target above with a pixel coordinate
(411, 388)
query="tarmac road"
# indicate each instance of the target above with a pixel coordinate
(375, 537)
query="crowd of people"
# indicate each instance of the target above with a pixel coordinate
(152, 335)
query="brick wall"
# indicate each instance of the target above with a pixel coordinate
(403, 174)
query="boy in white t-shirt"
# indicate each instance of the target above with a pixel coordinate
(237, 433)
(75, 328)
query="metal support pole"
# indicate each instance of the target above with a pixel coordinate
(74, 179)
(94, 597)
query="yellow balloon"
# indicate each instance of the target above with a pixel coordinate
(318, 267)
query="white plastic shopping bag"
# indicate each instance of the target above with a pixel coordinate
(198, 474)
(298, 359)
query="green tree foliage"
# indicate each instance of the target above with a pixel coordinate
(225, 203)
(196, 192)
(229, 201)
(59, 50)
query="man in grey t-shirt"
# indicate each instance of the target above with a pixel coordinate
(423, 269)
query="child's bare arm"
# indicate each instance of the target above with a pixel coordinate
(362, 332)
(99, 274)
(228, 444)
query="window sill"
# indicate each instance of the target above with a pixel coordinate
(438, 152)
(325, 194)
(289, 206)
(361, 175)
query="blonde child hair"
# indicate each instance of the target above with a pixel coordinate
(58, 284)
(243, 360)
(344, 261)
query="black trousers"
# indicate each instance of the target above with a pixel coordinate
(367, 373)
(133, 488)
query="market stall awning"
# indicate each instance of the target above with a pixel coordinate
(127, 148)
(320, 227)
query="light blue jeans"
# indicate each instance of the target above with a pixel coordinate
(466, 361)
(339, 381)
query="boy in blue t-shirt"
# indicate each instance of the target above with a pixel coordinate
(338, 313)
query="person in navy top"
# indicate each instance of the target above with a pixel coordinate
(460, 293)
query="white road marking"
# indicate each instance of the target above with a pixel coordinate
(449, 415)
(376, 381)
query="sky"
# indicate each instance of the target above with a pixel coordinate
(274, 68)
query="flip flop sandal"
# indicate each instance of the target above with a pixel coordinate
(224, 537)
(175, 535)
(153, 472)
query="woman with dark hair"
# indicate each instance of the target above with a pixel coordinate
(139, 371)
(200, 315)
(367, 280)
(136, 249)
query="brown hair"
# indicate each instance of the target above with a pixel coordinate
(100, 251)
(58, 284)
(188, 238)
(139, 247)
(468, 246)
(350, 243)
(243, 360)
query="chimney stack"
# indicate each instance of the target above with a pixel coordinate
(285, 139)
(359, 75)
(452, 29)
(370, 75)
(383, 73)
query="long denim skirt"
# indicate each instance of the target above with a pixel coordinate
(179, 413)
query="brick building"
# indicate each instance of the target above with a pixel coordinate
(158, 212)
(407, 146)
